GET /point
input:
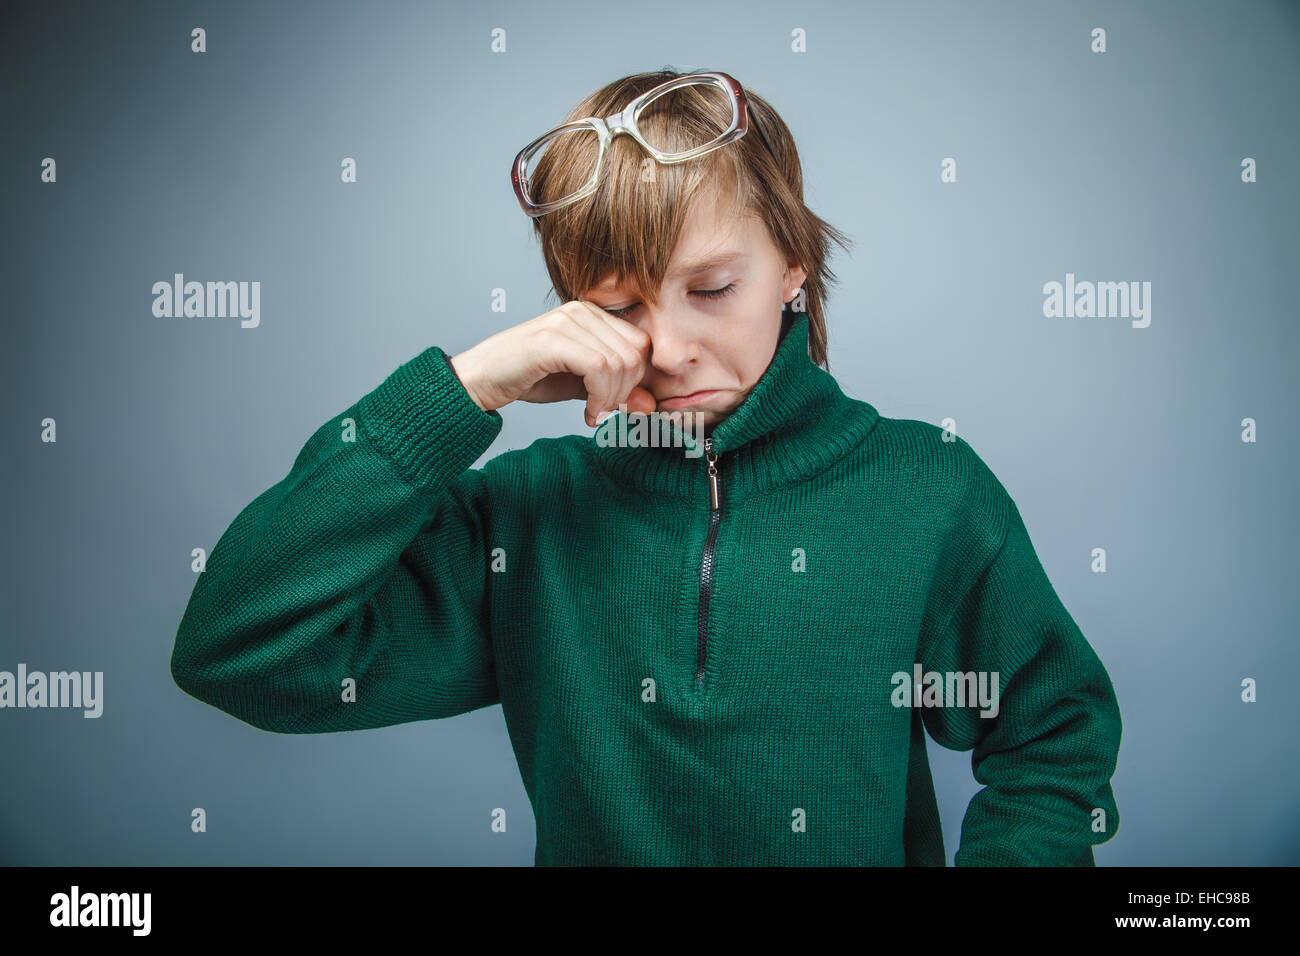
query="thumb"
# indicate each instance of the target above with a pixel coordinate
(641, 400)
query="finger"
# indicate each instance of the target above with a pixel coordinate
(637, 397)
(639, 339)
(587, 357)
(631, 360)
(626, 362)
(641, 400)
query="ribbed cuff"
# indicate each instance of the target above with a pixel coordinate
(423, 418)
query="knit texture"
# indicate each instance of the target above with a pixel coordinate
(568, 582)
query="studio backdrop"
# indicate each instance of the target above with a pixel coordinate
(1073, 245)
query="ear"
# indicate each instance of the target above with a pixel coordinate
(795, 274)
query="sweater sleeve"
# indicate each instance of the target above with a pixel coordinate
(1046, 753)
(352, 593)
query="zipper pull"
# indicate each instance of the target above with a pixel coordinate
(713, 473)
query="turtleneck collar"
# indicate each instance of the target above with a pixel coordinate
(795, 422)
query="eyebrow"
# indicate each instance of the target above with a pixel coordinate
(708, 262)
(700, 265)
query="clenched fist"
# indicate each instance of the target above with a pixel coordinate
(577, 350)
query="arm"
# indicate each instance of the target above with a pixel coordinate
(1047, 757)
(367, 561)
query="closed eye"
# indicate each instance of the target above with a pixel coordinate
(726, 290)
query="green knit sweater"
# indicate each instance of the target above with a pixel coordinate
(682, 684)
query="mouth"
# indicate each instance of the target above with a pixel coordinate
(694, 398)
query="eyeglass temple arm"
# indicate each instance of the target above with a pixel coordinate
(753, 117)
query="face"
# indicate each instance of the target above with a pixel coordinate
(714, 330)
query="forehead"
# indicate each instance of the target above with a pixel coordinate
(714, 235)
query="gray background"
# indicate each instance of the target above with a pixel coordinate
(225, 166)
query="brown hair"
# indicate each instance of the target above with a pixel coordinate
(629, 226)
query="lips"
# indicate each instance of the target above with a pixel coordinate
(688, 399)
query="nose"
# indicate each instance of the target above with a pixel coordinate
(674, 344)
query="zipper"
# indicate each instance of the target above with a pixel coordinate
(707, 559)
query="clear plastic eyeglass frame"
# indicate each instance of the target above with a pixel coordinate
(625, 122)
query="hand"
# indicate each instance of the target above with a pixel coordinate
(577, 350)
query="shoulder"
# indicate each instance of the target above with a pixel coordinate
(546, 466)
(944, 475)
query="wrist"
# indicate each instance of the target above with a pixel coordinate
(460, 368)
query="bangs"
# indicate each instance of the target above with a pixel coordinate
(630, 225)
